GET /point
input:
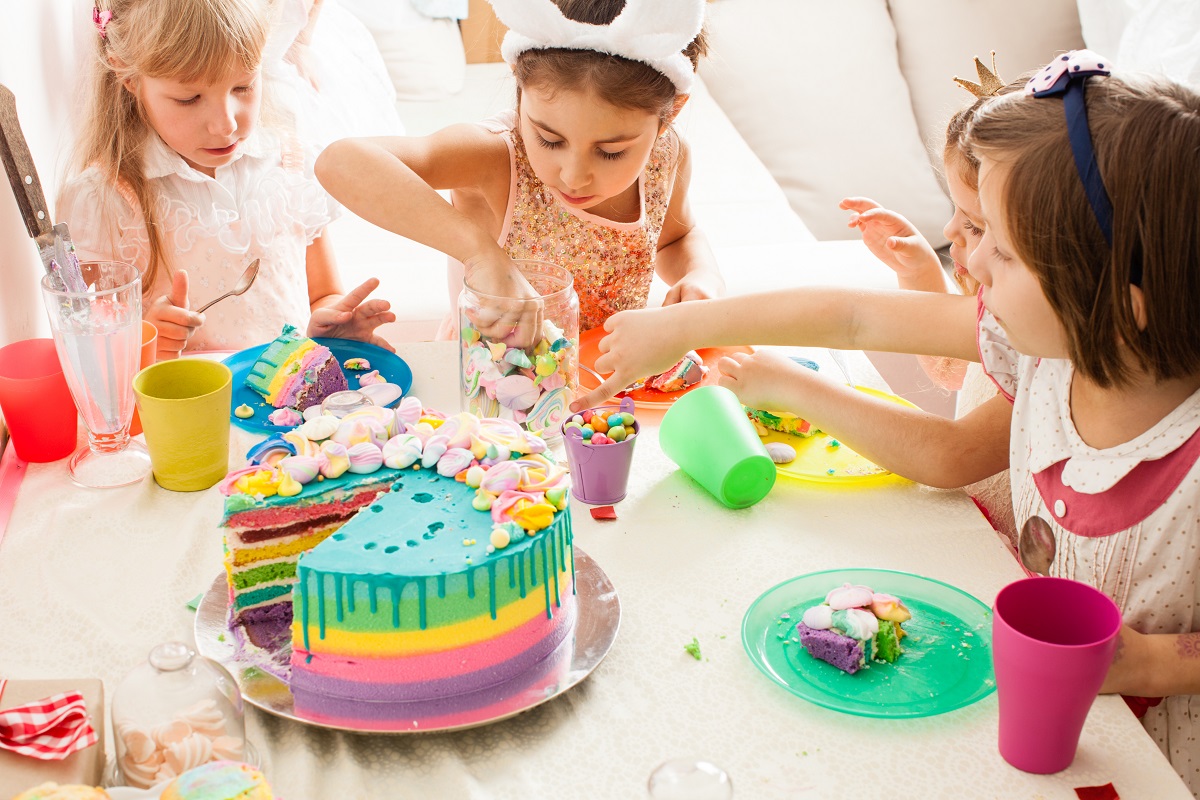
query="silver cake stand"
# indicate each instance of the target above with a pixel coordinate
(261, 674)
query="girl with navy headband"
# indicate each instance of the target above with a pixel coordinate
(1087, 322)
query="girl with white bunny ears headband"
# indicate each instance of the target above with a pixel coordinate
(652, 32)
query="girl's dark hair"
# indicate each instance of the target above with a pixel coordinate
(618, 81)
(1145, 131)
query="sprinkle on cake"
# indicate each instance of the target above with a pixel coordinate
(296, 372)
(854, 626)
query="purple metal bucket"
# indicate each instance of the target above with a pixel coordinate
(600, 472)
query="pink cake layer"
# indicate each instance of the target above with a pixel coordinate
(494, 702)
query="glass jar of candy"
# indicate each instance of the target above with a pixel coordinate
(509, 373)
(173, 712)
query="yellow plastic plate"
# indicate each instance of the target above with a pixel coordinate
(817, 460)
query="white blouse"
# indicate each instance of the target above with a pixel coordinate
(1126, 519)
(265, 204)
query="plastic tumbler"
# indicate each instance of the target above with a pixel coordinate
(149, 355)
(707, 433)
(1053, 641)
(36, 401)
(600, 472)
(184, 406)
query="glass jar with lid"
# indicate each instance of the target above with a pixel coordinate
(174, 712)
(531, 381)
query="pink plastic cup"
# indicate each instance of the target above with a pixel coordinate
(1053, 641)
(600, 472)
(36, 402)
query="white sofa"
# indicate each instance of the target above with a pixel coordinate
(800, 104)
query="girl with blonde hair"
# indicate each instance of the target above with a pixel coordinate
(177, 175)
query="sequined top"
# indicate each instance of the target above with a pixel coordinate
(613, 262)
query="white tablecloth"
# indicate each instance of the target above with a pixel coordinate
(91, 580)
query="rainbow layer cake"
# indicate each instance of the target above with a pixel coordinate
(780, 421)
(854, 626)
(421, 559)
(687, 372)
(296, 372)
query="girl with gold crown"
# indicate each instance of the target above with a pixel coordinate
(587, 172)
(899, 245)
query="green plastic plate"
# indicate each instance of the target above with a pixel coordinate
(947, 660)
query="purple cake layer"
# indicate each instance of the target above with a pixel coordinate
(833, 648)
(330, 379)
(365, 692)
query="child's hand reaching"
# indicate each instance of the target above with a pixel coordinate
(765, 379)
(697, 285)
(170, 315)
(638, 345)
(512, 310)
(894, 241)
(352, 318)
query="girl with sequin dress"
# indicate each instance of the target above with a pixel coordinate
(178, 176)
(587, 173)
(1087, 324)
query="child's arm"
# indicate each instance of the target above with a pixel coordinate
(897, 243)
(648, 341)
(1154, 665)
(684, 260)
(337, 315)
(924, 447)
(393, 182)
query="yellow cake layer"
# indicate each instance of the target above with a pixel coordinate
(394, 643)
(249, 554)
(285, 372)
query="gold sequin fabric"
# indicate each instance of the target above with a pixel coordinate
(613, 262)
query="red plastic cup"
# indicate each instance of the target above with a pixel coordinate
(36, 402)
(1053, 641)
(149, 356)
(600, 472)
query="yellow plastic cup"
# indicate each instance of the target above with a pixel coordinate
(184, 406)
(707, 433)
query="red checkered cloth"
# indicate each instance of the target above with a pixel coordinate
(50, 729)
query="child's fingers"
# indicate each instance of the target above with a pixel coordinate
(607, 388)
(859, 204)
(178, 296)
(352, 299)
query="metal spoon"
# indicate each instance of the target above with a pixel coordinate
(1035, 545)
(244, 282)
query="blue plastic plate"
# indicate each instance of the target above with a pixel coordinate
(391, 368)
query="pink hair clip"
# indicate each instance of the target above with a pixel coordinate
(101, 20)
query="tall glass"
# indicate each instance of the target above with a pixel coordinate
(97, 333)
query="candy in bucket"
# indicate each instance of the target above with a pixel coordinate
(599, 444)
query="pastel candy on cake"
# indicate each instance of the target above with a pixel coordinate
(295, 372)
(219, 780)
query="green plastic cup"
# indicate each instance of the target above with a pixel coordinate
(707, 433)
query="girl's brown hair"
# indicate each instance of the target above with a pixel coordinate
(618, 81)
(184, 40)
(1146, 134)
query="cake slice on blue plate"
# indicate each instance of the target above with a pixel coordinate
(296, 372)
(854, 626)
